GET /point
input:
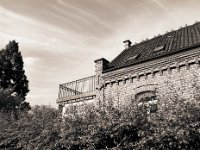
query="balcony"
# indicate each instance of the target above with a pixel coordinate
(75, 91)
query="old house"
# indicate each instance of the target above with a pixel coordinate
(141, 73)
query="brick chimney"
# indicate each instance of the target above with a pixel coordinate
(127, 44)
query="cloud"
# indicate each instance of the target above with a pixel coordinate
(59, 39)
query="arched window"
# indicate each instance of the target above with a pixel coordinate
(147, 100)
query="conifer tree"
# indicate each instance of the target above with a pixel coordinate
(12, 74)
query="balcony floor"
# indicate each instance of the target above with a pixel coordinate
(77, 98)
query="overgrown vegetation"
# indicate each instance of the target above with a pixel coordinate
(42, 128)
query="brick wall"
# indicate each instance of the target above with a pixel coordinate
(176, 75)
(181, 82)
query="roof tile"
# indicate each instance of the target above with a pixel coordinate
(173, 41)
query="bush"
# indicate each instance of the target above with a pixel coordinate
(37, 129)
(175, 126)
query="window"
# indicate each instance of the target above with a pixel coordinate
(159, 48)
(147, 101)
(132, 57)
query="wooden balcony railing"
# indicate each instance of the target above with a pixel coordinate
(77, 87)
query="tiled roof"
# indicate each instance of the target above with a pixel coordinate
(162, 45)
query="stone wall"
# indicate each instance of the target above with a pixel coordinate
(176, 75)
(176, 82)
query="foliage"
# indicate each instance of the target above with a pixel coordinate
(13, 83)
(42, 128)
(34, 130)
(12, 75)
(8, 104)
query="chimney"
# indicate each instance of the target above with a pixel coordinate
(127, 44)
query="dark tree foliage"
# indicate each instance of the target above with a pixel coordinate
(8, 105)
(12, 74)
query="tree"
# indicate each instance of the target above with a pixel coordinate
(12, 74)
(8, 103)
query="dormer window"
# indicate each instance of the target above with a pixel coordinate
(159, 48)
(133, 57)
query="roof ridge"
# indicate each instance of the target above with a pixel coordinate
(167, 32)
(173, 41)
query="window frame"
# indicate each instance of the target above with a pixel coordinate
(149, 102)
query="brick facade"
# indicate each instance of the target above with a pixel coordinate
(177, 73)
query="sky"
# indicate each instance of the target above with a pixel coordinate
(60, 39)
